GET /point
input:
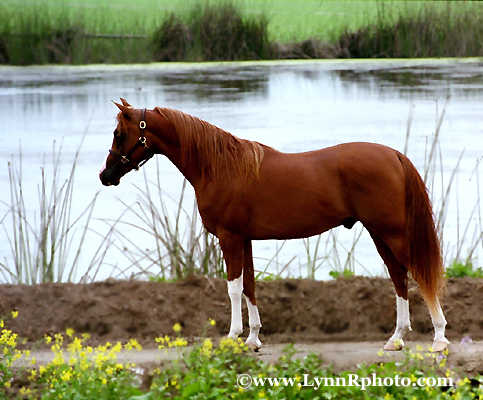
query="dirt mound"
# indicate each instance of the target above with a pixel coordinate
(291, 310)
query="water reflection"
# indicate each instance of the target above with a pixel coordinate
(290, 106)
(460, 80)
(220, 84)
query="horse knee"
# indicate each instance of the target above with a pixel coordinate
(235, 287)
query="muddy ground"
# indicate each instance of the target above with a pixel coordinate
(298, 311)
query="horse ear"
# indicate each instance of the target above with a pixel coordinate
(125, 103)
(126, 110)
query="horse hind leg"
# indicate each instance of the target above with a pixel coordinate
(252, 341)
(398, 273)
(439, 322)
(399, 277)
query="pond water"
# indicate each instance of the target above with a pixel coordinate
(291, 106)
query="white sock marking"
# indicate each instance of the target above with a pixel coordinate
(403, 322)
(235, 289)
(439, 323)
(255, 324)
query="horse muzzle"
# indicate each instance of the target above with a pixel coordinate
(107, 178)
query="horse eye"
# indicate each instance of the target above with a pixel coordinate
(117, 134)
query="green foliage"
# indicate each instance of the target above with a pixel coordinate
(346, 273)
(458, 269)
(428, 31)
(117, 31)
(212, 32)
(208, 370)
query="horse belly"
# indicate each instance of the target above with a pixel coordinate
(296, 206)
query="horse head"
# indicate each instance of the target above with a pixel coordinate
(129, 148)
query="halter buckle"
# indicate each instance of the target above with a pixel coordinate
(124, 159)
(142, 124)
(142, 139)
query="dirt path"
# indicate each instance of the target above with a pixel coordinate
(343, 355)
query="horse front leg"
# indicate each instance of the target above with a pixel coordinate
(253, 342)
(233, 249)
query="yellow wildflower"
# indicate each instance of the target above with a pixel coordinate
(14, 314)
(177, 327)
(69, 332)
(66, 376)
(180, 343)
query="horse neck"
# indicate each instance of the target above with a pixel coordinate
(167, 142)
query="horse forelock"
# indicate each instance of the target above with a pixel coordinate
(121, 120)
(217, 150)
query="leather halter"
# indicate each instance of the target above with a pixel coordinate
(141, 142)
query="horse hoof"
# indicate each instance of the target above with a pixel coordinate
(254, 345)
(394, 345)
(439, 345)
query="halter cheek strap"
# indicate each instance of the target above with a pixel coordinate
(141, 142)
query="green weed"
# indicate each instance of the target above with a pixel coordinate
(458, 269)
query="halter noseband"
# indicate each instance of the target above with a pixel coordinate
(140, 142)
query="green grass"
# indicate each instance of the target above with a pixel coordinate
(53, 31)
(290, 20)
(458, 269)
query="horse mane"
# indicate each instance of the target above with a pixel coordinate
(218, 151)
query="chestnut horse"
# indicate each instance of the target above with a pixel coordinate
(248, 191)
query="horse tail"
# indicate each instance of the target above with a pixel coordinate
(424, 259)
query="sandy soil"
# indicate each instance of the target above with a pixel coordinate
(330, 317)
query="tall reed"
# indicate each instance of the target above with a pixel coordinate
(42, 239)
(425, 31)
(181, 247)
(212, 32)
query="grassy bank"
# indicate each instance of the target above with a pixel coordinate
(115, 31)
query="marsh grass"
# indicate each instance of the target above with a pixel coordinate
(53, 33)
(443, 186)
(212, 32)
(43, 238)
(431, 30)
(340, 259)
(181, 246)
(66, 36)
